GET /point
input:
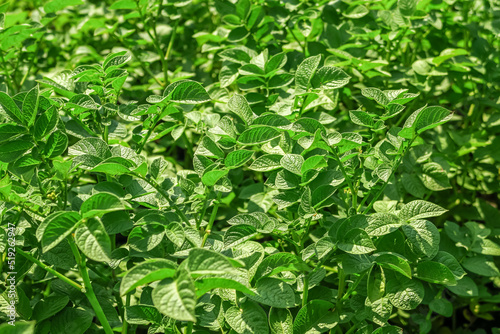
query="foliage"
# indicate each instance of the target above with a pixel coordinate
(283, 167)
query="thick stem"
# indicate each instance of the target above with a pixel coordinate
(125, 323)
(212, 220)
(341, 288)
(89, 291)
(189, 328)
(49, 269)
(306, 289)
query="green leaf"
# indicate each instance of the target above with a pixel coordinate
(451, 263)
(420, 209)
(146, 272)
(423, 237)
(90, 146)
(142, 315)
(266, 163)
(292, 163)
(394, 262)
(55, 228)
(382, 223)
(276, 62)
(356, 241)
(206, 284)
(124, 4)
(57, 5)
(93, 241)
(115, 60)
(186, 92)
(239, 105)
(9, 130)
(238, 234)
(465, 287)
(481, 265)
(407, 7)
(237, 158)
(206, 262)
(100, 204)
(356, 12)
(442, 306)
(306, 71)
(210, 178)
(258, 135)
(236, 55)
(228, 74)
(329, 77)
(11, 108)
(71, 320)
(48, 307)
(435, 272)
(376, 94)
(249, 318)
(209, 148)
(361, 118)
(176, 297)
(30, 106)
(274, 292)
(280, 262)
(56, 144)
(46, 122)
(175, 233)
(315, 317)
(404, 293)
(20, 327)
(12, 150)
(280, 321)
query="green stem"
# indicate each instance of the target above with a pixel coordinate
(212, 220)
(49, 269)
(150, 131)
(125, 323)
(89, 291)
(203, 211)
(189, 328)
(341, 289)
(352, 329)
(393, 170)
(172, 39)
(347, 178)
(306, 289)
(157, 46)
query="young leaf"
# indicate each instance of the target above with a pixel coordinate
(266, 162)
(356, 241)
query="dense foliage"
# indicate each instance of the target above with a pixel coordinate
(267, 167)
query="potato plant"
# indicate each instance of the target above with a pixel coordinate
(243, 167)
